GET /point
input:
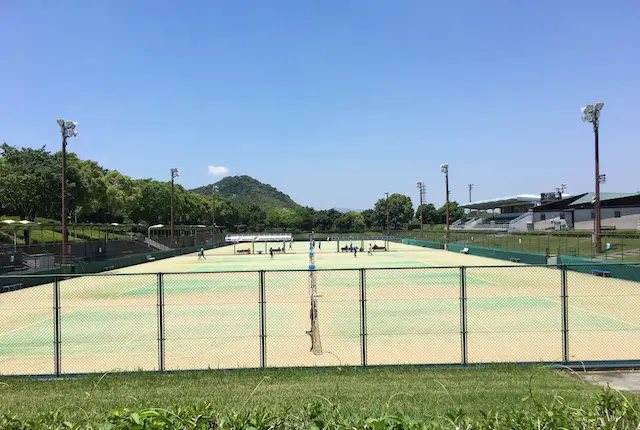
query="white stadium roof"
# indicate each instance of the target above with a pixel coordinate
(520, 199)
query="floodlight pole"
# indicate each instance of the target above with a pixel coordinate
(387, 201)
(67, 129)
(174, 174)
(444, 168)
(214, 190)
(420, 185)
(470, 188)
(591, 114)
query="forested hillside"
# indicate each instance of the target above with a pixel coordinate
(247, 190)
(30, 186)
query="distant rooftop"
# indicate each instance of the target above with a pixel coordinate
(588, 197)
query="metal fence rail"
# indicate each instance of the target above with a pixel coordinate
(69, 324)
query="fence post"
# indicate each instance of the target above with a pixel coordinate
(161, 325)
(565, 314)
(57, 331)
(463, 316)
(363, 317)
(622, 247)
(263, 321)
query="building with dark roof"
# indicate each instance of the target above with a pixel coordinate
(619, 211)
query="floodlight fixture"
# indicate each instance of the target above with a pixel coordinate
(444, 168)
(175, 173)
(591, 114)
(60, 122)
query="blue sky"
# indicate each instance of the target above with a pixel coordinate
(332, 102)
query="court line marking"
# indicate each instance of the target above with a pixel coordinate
(592, 312)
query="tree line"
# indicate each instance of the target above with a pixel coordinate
(30, 187)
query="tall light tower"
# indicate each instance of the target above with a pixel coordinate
(591, 113)
(444, 168)
(68, 129)
(174, 174)
(421, 187)
(387, 201)
(214, 190)
(470, 188)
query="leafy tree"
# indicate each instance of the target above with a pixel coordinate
(429, 214)
(455, 213)
(350, 222)
(368, 217)
(325, 220)
(400, 211)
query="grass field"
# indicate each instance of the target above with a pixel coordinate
(419, 393)
(212, 313)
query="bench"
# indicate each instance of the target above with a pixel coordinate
(514, 260)
(379, 248)
(108, 268)
(464, 251)
(601, 272)
(243, 251)
(277, 249)
(150, 258)
(11, 287)
(571, 252)
(608, 227)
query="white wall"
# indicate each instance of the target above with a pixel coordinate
(539, 224)
(629, 217)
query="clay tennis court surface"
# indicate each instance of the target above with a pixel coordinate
(109, 322)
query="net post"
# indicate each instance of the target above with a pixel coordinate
(565, 313)
(464, 329)
(253, 247)
(263, 319)
(234, 248)
(57, 350)
(363, 317)
(161, 323)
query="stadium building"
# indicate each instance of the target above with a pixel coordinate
(514, 213)
(551, 211)
(618, 211)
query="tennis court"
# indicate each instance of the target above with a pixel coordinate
(212, 309)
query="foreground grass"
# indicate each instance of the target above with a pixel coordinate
(414, 392)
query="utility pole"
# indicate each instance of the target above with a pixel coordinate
(591, 113)
(387, 201)
(214, 190)
(470, 188)
(444, 168)
(68, 129)
(174, 174)
(420, 186)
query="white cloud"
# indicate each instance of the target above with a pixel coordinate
(218, 170)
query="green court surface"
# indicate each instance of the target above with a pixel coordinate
(412, 313)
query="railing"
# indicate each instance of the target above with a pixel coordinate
(155, 244)
(430, 315)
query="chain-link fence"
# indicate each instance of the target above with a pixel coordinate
(65, 324)
(614, 247)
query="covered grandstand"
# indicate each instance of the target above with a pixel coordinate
(511, 213)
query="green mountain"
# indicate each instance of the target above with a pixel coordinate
(248, 190)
